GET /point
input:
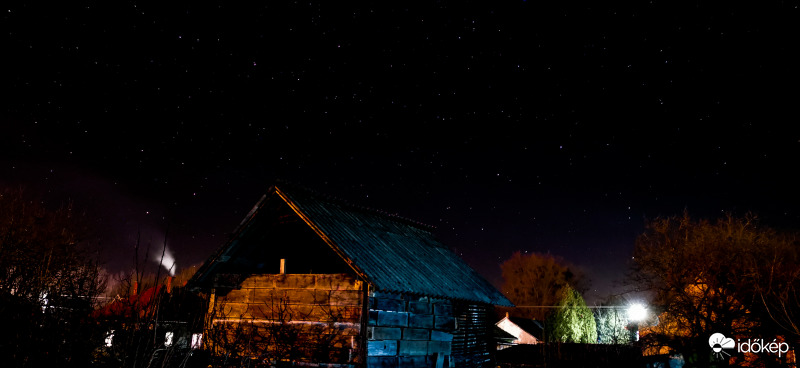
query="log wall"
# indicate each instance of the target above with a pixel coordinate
(409, 331)
(473, 344)
(306, 318)
(315, 319)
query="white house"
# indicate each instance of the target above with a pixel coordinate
(526, 331)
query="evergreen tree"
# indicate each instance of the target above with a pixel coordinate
(572, 321)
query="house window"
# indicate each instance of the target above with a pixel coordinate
(109, 338)
(43, 298)
(197, 340)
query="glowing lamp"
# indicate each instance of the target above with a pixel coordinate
(637, 312)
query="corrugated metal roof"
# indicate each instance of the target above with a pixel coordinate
(394, 254)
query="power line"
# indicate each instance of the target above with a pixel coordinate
(564, 306)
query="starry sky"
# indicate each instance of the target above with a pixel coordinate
(553, 127)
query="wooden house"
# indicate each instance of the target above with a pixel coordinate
(315, 281)
(524, 330)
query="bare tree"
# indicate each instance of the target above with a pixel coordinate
(147, 307)
(612, 322)
(716, 276)
(276, 333)
(49, 281)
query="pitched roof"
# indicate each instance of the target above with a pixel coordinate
(531, 326)
(392, 253)
(501, 335)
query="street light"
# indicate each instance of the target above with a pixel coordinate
(636, 313)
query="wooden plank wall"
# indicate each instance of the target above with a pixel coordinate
(409, 331)
(473, 344)
(311, 318)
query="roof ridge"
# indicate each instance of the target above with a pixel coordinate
(350, 205)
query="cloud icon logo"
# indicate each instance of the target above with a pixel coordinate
(718, 341)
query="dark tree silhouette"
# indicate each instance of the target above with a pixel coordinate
(718, 276)
(49, 282)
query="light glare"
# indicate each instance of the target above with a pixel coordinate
(637, 312)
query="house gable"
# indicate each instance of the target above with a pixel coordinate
(272, 232)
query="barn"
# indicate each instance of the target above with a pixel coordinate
(311, 280)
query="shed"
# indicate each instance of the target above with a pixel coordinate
(525, 330)
(314, 280)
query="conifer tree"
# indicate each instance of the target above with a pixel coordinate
(572, 321)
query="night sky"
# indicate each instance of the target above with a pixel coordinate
(554, 127)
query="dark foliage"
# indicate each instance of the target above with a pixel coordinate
(49, 282)
(732, 276)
